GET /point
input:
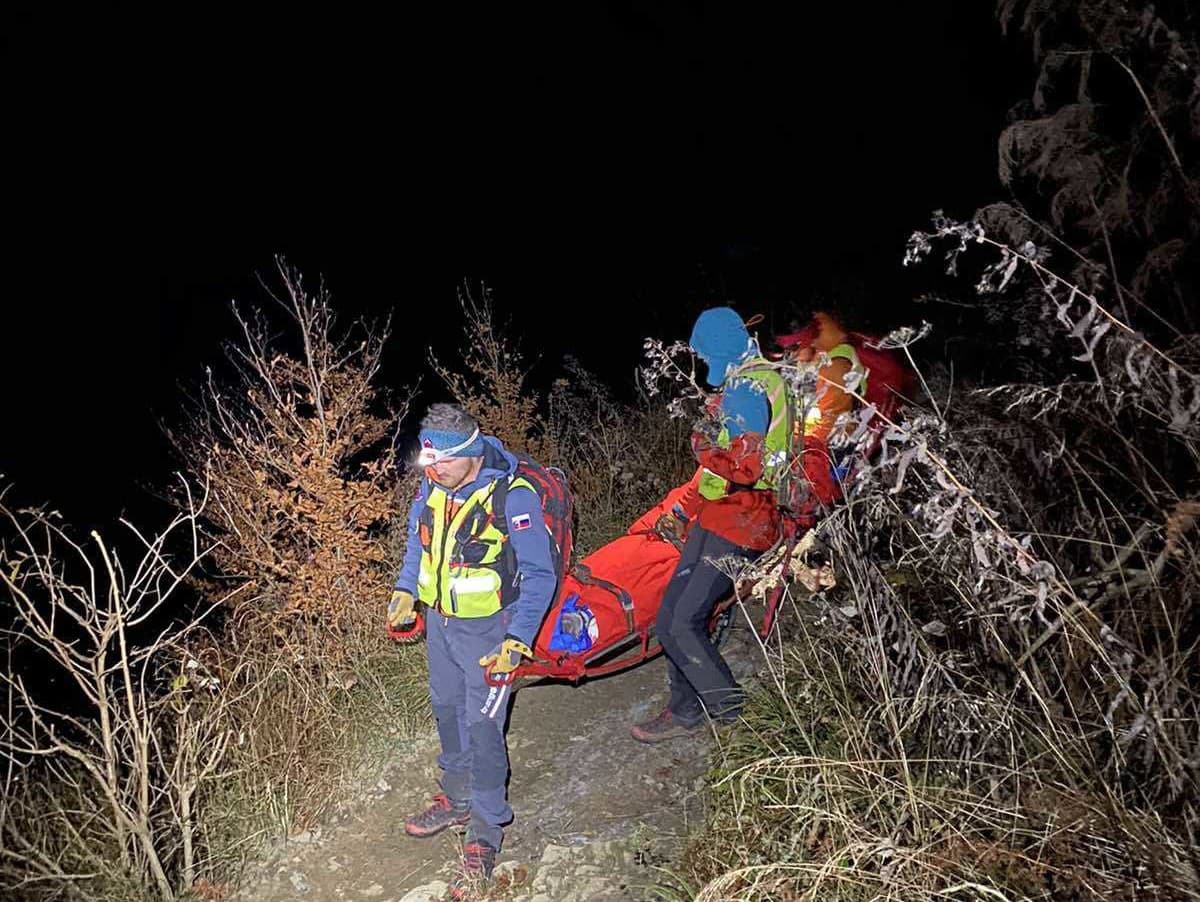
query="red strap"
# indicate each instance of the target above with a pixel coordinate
(768, 621)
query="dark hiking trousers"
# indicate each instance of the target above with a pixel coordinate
(700, 679)
(470, 719)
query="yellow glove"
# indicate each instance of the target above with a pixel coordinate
(506, 656)
(400, 612)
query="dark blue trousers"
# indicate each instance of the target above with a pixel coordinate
(700, 679)
(470, 719)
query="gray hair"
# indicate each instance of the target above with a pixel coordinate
(449, 418)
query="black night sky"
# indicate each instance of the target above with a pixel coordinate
(608, 173)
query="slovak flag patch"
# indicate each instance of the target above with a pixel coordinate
(521, 521)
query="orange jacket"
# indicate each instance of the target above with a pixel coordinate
(831, 400)
(830, 403)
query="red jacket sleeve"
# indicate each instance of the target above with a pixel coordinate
(818, 471)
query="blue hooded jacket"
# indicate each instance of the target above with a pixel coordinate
(535, 561)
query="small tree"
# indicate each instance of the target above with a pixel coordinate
(301, 473)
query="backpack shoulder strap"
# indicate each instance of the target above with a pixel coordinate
(775, 389)
(500, 498)
(499, 501)
(848, 352)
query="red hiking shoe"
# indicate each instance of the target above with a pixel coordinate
(663, 727)
(437, 817)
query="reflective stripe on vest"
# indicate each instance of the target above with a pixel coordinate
(462, 571)
(777, 441)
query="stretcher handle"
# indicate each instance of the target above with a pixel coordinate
(412, 634)
(768, 621)
(529, 667)
(498, 679)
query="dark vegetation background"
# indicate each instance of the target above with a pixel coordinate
(607, 173)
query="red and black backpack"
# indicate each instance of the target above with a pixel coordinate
(558, 507)
(890, 380)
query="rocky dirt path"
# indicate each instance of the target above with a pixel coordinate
(597, 813)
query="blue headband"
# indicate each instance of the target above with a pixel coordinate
(439, 444)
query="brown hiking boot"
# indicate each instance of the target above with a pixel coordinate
(479, 858)
(663, 727)
(437, 817)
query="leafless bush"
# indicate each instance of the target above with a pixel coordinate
(491, 380)
(622, 457)
(108, 748)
